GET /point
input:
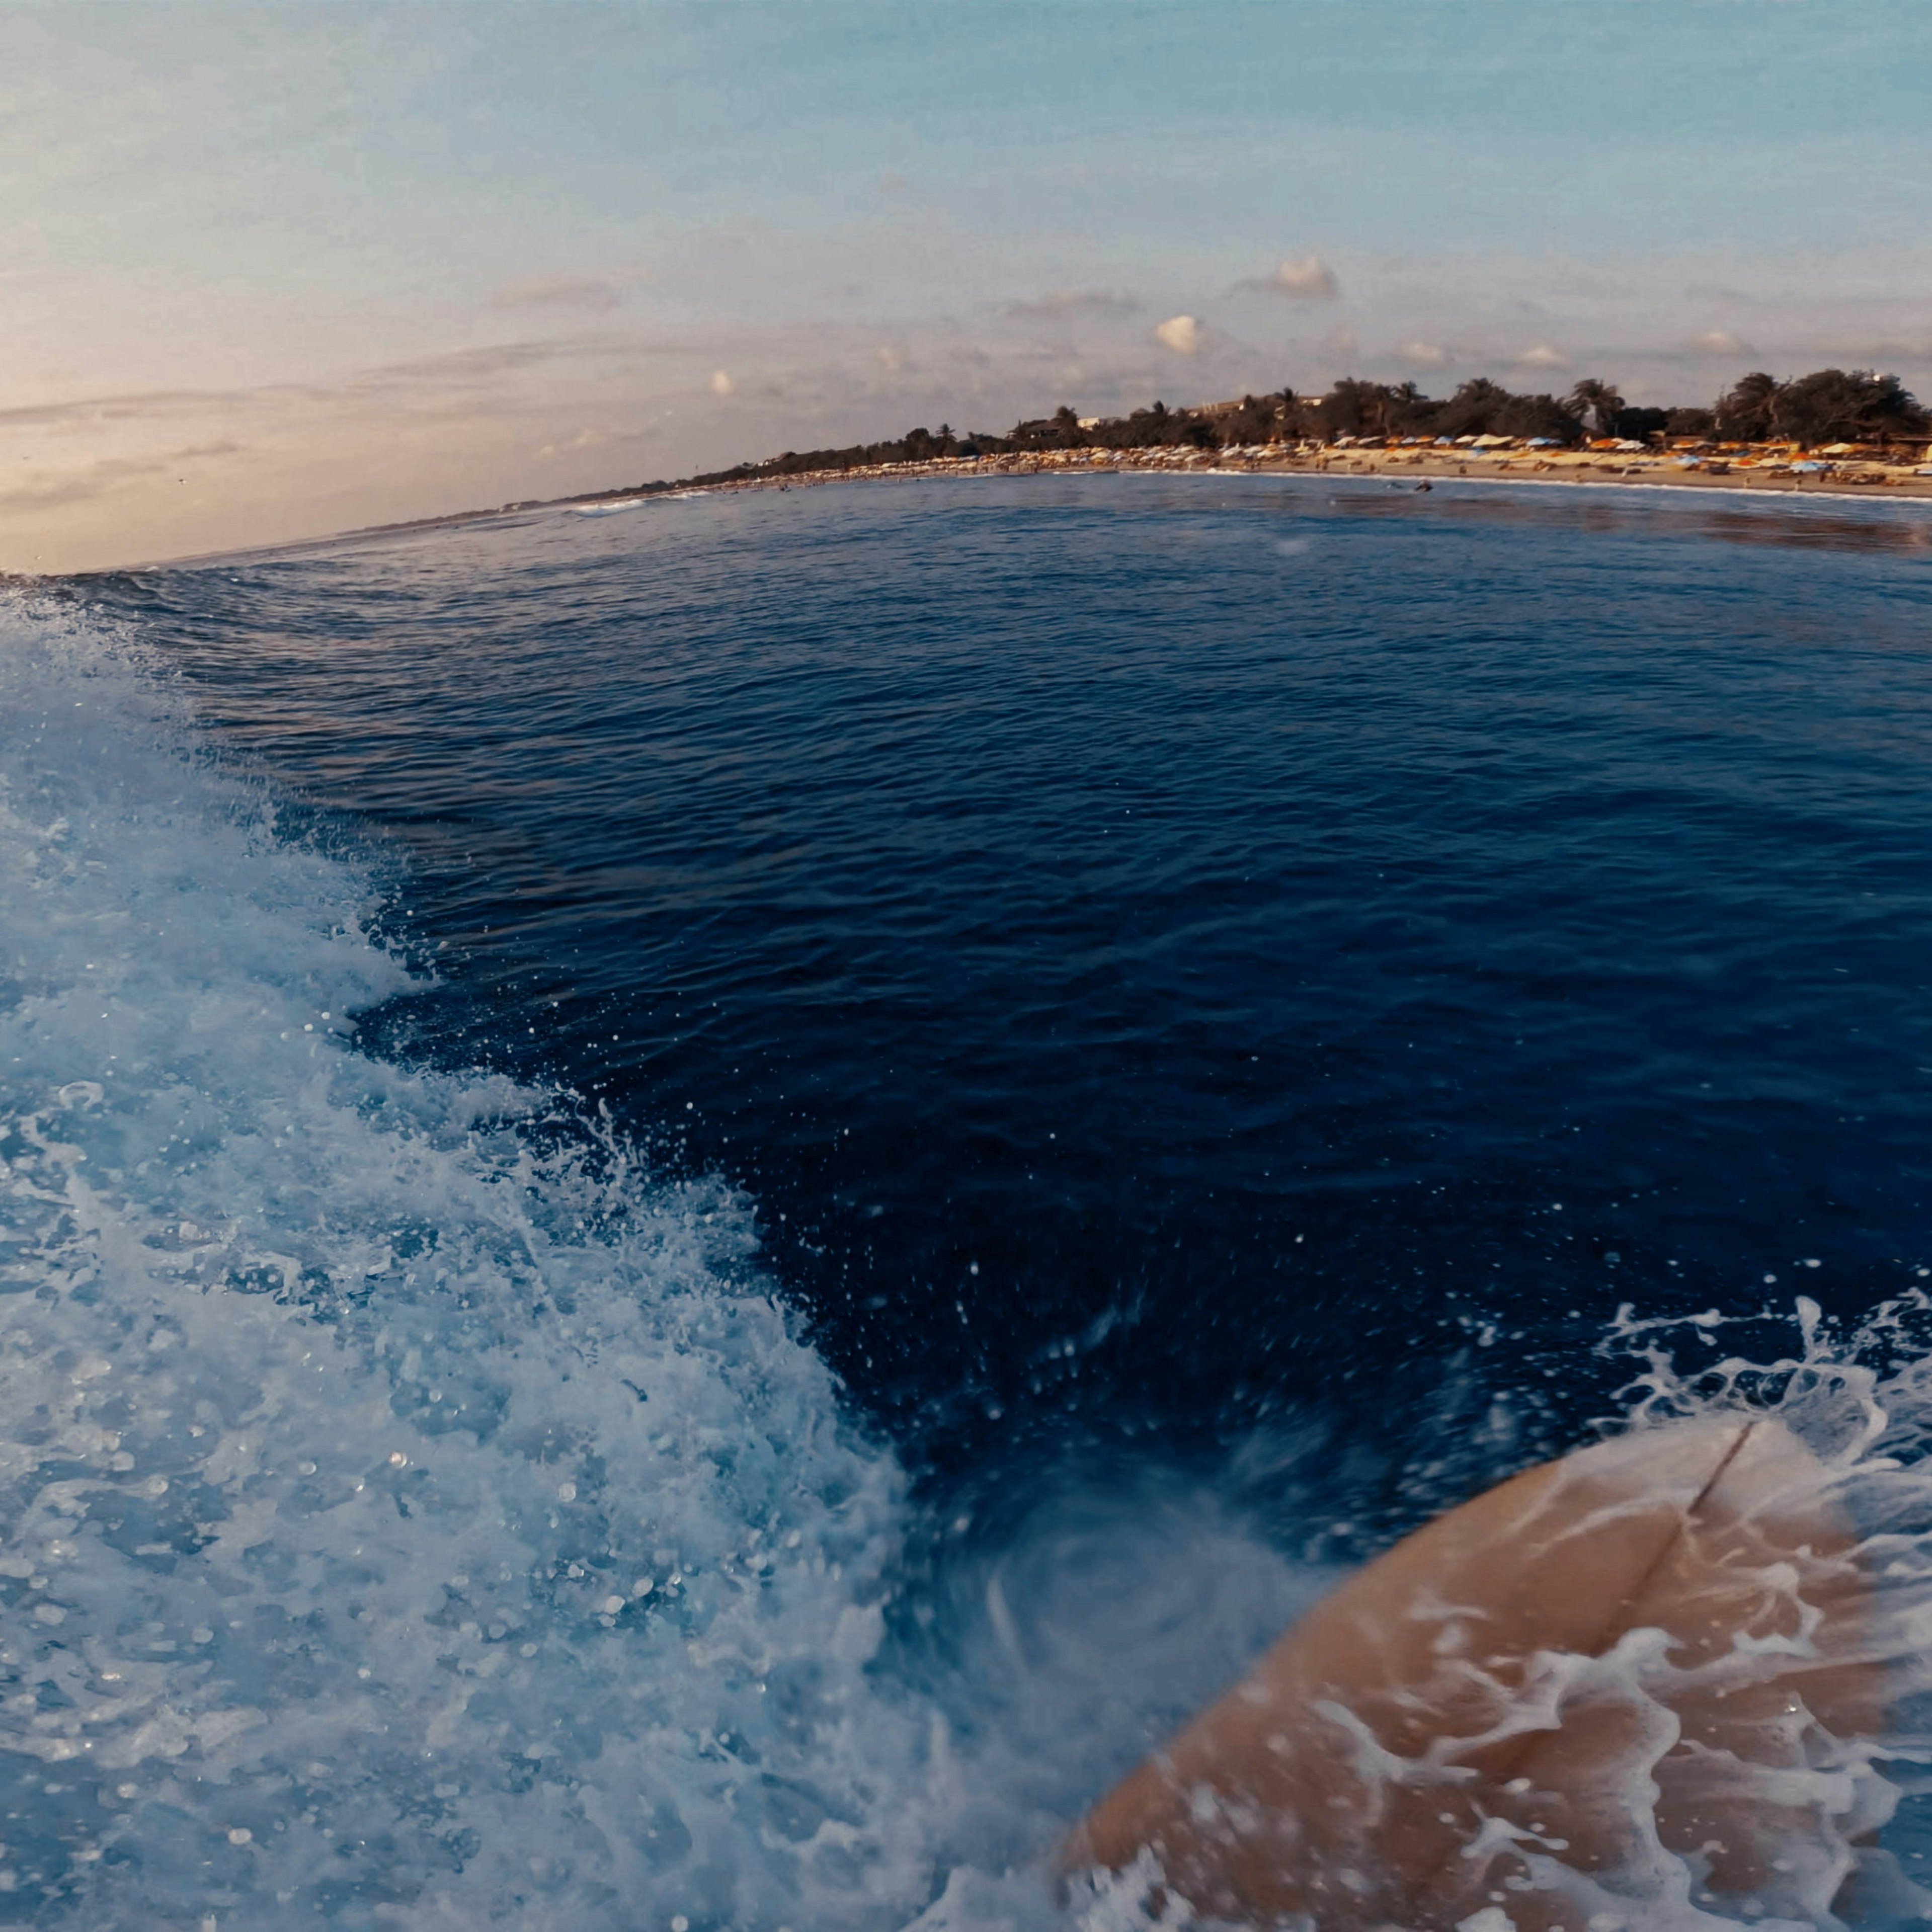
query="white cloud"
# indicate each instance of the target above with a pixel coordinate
(1307, 279)
(1541, 357)
(1424, 354)
(584, 439)
(578, 292)
(889, 358)
(721, 384)
(1181, 333)
(1721, 342)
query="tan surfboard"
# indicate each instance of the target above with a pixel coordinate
(1546, 1700)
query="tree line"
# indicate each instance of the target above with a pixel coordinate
(1827, 405)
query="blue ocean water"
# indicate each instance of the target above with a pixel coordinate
(710, 1202)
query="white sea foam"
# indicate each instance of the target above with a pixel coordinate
(1810, 1790)
(396, 1524)
(404, 1525)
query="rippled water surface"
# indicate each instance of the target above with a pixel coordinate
(809, 1155)
(1163, 946)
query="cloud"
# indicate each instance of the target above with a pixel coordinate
(889, 358)
(1424, 354)
(465, 365)
(576, 292)
(721, 384)
(1181, 333)
(452, 376)
(1541, 357)
(1308, 279)
(1068, 302)
(1721, 342)
(584, 439)
(90, 411)
(98, 479)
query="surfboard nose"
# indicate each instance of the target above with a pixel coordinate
(1622, 1673)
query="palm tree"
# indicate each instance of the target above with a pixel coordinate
(1743, 412)
(1596, 405)
(1473, 408)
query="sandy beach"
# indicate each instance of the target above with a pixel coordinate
(1765, 473)
(1762, 473)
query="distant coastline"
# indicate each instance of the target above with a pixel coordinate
(1845, 428)
(1766, 472)
(1833, 432)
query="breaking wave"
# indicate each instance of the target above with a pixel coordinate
(415, 1513)
(410, 1517)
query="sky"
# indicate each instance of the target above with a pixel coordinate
(269, 271)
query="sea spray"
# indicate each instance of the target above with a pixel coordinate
(1732, 1745)
(398, 1524)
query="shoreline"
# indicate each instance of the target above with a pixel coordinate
(1567, 470)
(1564, 470)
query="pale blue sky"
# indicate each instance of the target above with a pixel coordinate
(270, 270)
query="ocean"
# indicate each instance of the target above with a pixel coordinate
(705, 1205)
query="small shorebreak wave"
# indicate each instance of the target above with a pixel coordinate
(414, 1512)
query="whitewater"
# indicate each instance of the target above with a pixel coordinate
(416, 1514)
(378, 1473)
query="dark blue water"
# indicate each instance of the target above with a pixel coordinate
(1165, 954)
